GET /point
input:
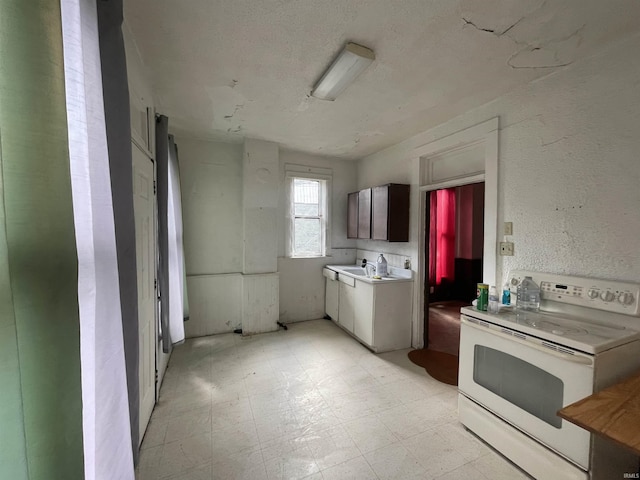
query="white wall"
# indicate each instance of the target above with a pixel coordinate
(211, 181)
(301, 282)
(569, 172)
(212, 191)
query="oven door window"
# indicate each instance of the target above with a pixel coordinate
(502, 374)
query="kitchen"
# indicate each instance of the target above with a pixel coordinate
(548, 94)
(563, 143)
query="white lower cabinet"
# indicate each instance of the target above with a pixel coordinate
(332, 296)
(383, 315)
(363, 317)
(377, 314)
(346, 303)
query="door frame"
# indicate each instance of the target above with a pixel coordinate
(483, 135)
(427, 236)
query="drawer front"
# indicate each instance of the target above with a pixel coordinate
(347, 280)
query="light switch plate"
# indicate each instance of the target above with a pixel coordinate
(506, 249)
(508, 228)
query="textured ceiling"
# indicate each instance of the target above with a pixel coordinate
(228, 69)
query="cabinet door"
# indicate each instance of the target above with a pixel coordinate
(346, 306)
(363, 312)
(398, 213)
(331, 299)
(364, 213)
(352, 215)
(380, 213)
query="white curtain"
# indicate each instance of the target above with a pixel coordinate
(290, 217)
(106, 428)
(176, 256)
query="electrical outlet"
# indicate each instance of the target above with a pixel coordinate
(506, 249)
(508, 228)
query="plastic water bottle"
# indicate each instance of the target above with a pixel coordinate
(494, 304)
(381, 266)
(528, 295)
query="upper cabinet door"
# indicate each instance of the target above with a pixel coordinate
(364, 213)
(380, 213)
(390, 213)
(352, 215)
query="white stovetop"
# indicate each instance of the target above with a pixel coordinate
(588, 331)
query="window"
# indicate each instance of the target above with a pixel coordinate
(308, 226)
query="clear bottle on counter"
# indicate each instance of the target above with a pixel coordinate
(528, 295)
(381, 266)
(494, 303)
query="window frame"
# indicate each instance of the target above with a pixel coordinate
(324, 204)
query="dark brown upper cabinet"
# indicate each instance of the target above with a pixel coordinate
(364, 213)
(352, 215)
(379, 213)
(390, 213)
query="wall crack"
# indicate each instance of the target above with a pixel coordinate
(490, 30)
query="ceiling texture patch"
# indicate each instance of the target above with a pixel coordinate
(230, 70)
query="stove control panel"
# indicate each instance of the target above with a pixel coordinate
(608, 295)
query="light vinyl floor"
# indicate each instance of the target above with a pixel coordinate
(312, 403)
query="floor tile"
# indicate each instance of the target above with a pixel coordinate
(493, 466)
(332, 446)
(226, 415)
(435, 454)
(295, 465)
(283, 446)
(185, 425)
(465, 471)
(186, 454)
(309, 402)
(149, 463)
(369, 433)
(202, 472)
(394, 462)
(235, 440)
(354, 469)
(242, 466)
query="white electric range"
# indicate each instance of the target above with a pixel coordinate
(518, 368)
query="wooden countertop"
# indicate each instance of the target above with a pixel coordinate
(613, 413)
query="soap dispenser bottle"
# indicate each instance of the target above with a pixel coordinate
(381, 266)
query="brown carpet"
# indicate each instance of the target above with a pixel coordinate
(441, 366)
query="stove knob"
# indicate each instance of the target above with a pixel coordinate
(626, 298)
(593, 293)
(607, 296)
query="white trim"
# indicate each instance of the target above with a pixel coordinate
(305, 171)
(486, 133)
(453, 183)
(324, 199)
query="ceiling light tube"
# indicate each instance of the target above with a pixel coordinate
(350, 63)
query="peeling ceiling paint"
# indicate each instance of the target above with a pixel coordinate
(229, 69)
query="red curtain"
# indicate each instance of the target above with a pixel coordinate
(442, 237)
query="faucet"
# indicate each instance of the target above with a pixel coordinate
(369, 269)
(364, 262)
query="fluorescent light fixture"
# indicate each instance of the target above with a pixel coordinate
(350, 63)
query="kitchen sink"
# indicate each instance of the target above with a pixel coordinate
(359, 271)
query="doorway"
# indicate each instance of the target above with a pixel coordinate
(454, 248)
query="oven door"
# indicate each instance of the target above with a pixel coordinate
(526, 383)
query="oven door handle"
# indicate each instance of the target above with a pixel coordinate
(494, 331)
